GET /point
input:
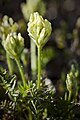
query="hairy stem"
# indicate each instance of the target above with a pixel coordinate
(33, 59)
(21, 71)
(39, 67)
(9, 64)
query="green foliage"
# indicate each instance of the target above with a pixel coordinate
(29, 100)
(36, 100)
(60, 109)
(33, 103)
(9, 84)
(71, 82)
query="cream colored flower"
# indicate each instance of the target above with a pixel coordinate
(39, 29)
(14, 44)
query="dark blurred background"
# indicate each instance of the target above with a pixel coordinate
(64, 16)
(57, 10)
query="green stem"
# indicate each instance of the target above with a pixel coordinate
(39, 67)
(21, 71)
(69, 97)
(33, 59)
(65, 96)
(9, 64)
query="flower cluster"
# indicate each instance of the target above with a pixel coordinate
(7, 26)
(39, 29)
(71, 81)
(14, 44)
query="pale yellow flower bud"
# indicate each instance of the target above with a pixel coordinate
(39, 29)
(7, 26)
(14, 44)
